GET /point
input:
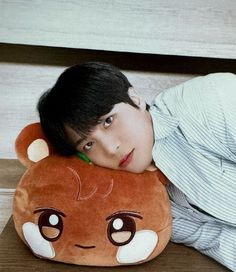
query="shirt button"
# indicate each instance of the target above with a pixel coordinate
(191, 211)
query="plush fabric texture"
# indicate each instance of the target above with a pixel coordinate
(70, 211)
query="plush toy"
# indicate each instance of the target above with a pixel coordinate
(71, 211)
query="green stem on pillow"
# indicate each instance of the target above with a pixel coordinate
(83, 157)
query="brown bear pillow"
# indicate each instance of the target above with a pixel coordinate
(70, 211)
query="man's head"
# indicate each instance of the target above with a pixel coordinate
(92, 108)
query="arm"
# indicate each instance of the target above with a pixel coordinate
(211, 238)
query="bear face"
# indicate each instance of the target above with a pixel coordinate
(70, 211)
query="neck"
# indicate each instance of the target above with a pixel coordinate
(151, 167)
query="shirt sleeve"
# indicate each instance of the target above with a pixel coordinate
(214, 239)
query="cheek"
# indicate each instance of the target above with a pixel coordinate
(101, 159)
(36, 242)
(139, 249)
(137, 133)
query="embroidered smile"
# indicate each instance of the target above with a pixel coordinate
(84, 247)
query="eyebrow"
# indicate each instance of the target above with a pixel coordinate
(49, 209)
(132, 213)
(78, 142)
(100, 120)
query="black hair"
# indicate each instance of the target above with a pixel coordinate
(81, 95)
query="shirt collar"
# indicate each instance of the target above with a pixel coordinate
(163, 124)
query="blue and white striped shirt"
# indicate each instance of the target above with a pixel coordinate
(195, 147)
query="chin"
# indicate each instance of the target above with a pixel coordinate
(137, 170)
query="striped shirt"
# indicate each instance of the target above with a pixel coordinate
(195, 147)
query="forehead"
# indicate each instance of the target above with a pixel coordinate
(68, 180)
(52, 183)
(121, 109)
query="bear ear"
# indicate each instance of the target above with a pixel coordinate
(31, 145)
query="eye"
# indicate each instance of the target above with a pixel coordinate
(88, 146)
(108, 121)
(121, 229)
(50, 225)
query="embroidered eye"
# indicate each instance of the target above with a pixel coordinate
(108, 121)
(121, 229)
(88, 146)
(50, 225)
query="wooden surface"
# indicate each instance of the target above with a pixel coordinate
(16, 257)
(27, 71)
(10, 174)
(205, 28)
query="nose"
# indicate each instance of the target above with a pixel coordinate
(110, 144)
(112, 149)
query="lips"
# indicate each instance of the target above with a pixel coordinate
(126, 160)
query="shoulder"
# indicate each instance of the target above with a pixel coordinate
(210, 85)
(200, 86)
(198, 96)
(202, 95)
(204, 87)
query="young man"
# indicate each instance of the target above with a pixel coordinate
(189, 133)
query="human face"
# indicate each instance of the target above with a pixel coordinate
(123, 139)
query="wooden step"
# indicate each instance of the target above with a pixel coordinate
(203, 28)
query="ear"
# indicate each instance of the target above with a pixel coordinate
(31, 145)
(135, 97)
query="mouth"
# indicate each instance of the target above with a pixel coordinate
(126, 160)
(84, 247)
